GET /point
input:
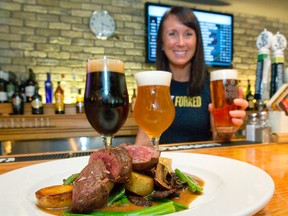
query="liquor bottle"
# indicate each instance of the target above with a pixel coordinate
(59, 100)
(249, 97)
(133, 99)
(17, 102)
(79, 102)
(3, 83)
(48, 89)
(30, 86)
(22, 88)
(36, 103)
(3, 93)
(10, 87)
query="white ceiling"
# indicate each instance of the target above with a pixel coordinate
(267, 8)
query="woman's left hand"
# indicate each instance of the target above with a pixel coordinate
(238, 115)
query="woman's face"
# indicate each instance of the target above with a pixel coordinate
(179, 41)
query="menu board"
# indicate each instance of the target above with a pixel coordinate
(216, 30)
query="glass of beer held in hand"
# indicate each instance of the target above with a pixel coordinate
(154, 111)
(223, 85)
(106, 99)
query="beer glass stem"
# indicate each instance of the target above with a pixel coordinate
(107, 141)
(155, 142)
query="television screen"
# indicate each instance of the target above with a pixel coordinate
(216, 29)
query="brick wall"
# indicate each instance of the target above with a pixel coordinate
(53, 36)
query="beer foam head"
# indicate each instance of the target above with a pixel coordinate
(104, 64)
(223, 74)
(146, 78)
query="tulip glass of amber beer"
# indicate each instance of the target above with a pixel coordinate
(106, 99)
(154, 111)
(223, 91)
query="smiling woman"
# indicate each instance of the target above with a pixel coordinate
(180, 51)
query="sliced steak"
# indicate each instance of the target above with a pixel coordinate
(143, 157)
(117, 161)
(91, 188)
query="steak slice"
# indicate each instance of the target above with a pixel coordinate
(117, 161)
(91, 189)
(143, 157)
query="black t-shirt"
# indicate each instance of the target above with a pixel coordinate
(192, 119)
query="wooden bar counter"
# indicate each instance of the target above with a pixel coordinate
(272, 158)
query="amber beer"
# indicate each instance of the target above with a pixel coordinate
(224, 90)
(154, 111)
(106, 99)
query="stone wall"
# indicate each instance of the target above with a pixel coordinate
(53, 36)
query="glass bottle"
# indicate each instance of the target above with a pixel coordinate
(10, 87)
(30, 86)
(36, 103)
(59, 100)
(133, 99)
(22, 88)
(3, 92)
(17, 102)
(48, 89)
(264, 130)
(79, 102)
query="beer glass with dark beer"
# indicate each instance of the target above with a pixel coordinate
(224, 90)
(154, 111)
(106, 99)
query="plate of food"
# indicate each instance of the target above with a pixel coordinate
(229, 187)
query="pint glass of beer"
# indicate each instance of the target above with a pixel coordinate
(154, 111)
(224, 90)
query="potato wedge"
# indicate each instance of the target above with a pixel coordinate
(54, 197)
(140, 184)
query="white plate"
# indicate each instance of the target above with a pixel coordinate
(231, 187)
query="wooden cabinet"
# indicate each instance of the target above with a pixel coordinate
(51, 125)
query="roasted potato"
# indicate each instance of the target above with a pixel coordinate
(54, 197)
(140, 184)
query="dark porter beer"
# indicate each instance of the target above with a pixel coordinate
(106, 101)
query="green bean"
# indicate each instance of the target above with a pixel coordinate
(70, 179)
(192, 184)
(116, 194)
(165, 208)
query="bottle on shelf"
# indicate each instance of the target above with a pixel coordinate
(17, 102)
(10, 87)
(48, 89)
(22, 88)
(36, 103)
(133, 99)
(30, 86)
(79, 102)
(3, 83)
(59, 100)
(249, 97)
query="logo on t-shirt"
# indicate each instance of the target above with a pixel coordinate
(186, 101)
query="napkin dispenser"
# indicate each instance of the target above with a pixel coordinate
(278, 121)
